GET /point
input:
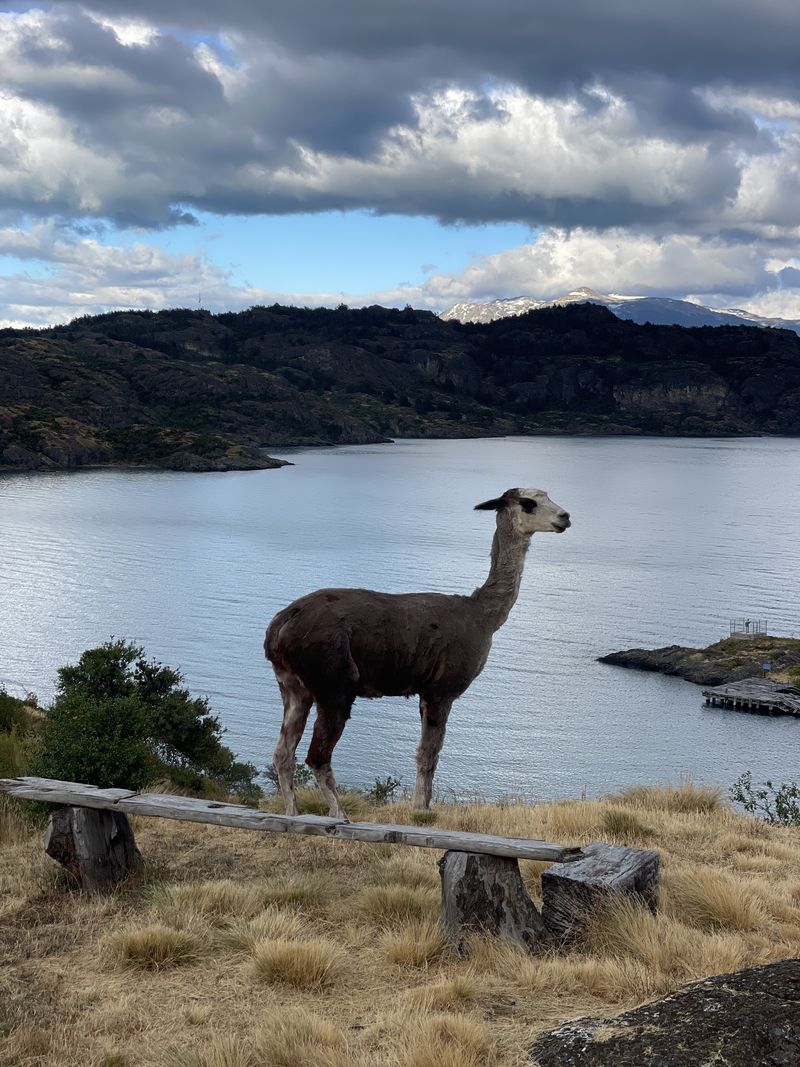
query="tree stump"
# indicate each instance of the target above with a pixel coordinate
(97, 847)
(486, 894)
(571, 892)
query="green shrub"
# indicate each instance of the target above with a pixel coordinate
(777, 804)
(13, 715)
(121, 720)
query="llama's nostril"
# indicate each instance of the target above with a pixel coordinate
(564, 515)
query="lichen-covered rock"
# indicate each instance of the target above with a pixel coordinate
(747, 1019)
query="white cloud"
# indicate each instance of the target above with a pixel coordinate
(84, 276)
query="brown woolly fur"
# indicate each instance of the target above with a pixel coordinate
(231, 932)
(303, 964)
(157, 946)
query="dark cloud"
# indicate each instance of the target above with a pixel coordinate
(546, 45)
(581, 115)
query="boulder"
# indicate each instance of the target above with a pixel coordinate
(750, 1018)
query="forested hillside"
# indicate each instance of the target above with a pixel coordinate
(190, 390)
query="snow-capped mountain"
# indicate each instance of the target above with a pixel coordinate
(660, 310)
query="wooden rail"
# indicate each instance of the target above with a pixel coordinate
(189, 809)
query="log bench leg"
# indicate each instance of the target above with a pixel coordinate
(97, 847)
(572, 892)
(486, 894)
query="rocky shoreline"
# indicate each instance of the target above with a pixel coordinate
(729, 660)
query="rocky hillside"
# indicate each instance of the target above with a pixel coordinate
(191, 390)
(729, 660)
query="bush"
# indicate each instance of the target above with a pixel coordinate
(13, 715)
(777, 804)
(121, 720)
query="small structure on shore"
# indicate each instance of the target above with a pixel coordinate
(748, 629)
(756, 694)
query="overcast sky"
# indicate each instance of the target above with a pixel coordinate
(165, 153)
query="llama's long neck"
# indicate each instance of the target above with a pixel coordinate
(498, 594)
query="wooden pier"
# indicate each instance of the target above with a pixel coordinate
(758, 695)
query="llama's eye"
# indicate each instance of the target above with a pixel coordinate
(528, 505)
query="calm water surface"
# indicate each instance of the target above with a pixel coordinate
(670, 539)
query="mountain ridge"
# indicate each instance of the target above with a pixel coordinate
(660, 311)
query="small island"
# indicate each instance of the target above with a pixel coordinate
(729, 660)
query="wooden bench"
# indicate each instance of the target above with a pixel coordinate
(482, 888)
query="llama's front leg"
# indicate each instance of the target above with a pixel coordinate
(297, 703)
(434, 721)
(328, 728)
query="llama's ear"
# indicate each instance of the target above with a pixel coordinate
(492, 505)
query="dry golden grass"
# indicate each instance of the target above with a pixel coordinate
(272, 924)
(304, 888)
(399, 902)
(393, 995)
(455, 992)
(308, 964)
(416, 944)
(299, 1038)
(157, 946)
(446, 1041)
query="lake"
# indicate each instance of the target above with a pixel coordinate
(671, 538)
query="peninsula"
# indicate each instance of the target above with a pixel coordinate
(729, 660)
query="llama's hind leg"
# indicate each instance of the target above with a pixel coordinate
(434, 720)
(328, 728)
(297, 701)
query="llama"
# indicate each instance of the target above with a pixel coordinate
(334, 645)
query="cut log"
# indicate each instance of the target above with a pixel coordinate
(572, 892)
(485, 894)
(96, 847)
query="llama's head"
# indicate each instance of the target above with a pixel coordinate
(529, 510)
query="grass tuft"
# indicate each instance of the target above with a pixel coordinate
(303, 964)
(296, 1037)
(424, 818)
(272, 924)
(688, 797)
(446, 1041)
(626, 825)
(710, 899)
(224, 1050)
(301, 888)
(416, 944)
(157, 947)
(455, 992)
(388, 903)
(216, 901)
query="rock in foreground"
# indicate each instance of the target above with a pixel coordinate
(740, 1020)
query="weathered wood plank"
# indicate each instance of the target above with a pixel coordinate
(572, 893)
(52, 791)
(189, 809)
